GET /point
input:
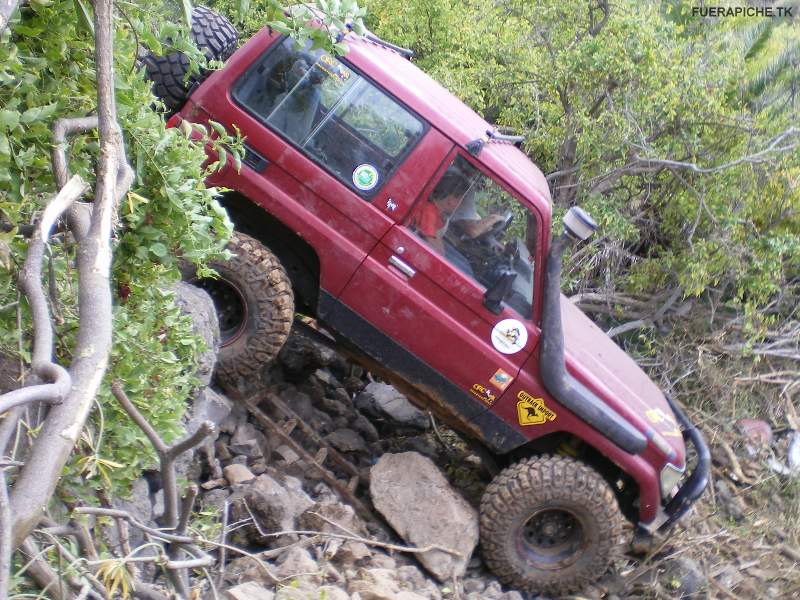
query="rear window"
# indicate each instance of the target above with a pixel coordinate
(334, 115)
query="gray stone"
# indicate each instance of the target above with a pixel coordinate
(418, 502)
(245, 569)
(493, 591)
(197, 304)
(684, 578)
(299, 402)
(404, 595)
(412, 579)
(215, 499)
(248, 441)
(346, 440)
(511, 596)
(382, 400)
(364, 426)
(330, 592)
(236, 474)
(296, 562)
(211, 406)
(473, 585)
(138, 505)
(249, 591)
(374, 584)
(276, 505)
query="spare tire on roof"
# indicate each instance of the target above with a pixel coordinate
(213, 34)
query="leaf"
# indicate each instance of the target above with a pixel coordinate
(187, 12)
(159, 249)
(38, 113)
(85, 20)
(242, 8)
(9, 119)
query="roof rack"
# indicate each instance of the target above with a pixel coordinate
(493, 136)
(371, 37)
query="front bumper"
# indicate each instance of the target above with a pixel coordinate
(692, 487)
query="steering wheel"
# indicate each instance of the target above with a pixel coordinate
(499, 228)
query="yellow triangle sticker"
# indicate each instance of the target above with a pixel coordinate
(532, 411)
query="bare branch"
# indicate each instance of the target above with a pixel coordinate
(7, 8)
(779, 144)
(37, 480)
(6, 549)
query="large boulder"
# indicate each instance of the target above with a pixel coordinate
(197, 304)
(383, 401)
(418, 502)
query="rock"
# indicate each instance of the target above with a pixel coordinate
(793, 453)
(511, 596)
(276, 505)
(374, 584)
(410, 596)
(236, 474)
(731, 503)
(335, 407)
(473, 585)
(249, 591)
(346, 440)
(329, 592)
(321, 518)
(299, 402)
(248, 441)
(364, 426)
(245, 569)
(418, 502)
(492, 591)
(382, 400)
(300, 357)
(197, 304)
(9, 372)
(138, 505)
(208, 405)
(296, 562)
(683, 577)
(215, 499)
(755, 431)
(379, 560)
(411, 578)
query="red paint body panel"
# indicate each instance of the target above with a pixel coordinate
(437, 314)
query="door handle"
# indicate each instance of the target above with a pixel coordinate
(404, 267)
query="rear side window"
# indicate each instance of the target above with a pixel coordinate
(333, 114)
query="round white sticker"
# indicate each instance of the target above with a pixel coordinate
(509, 336)
(365, 177)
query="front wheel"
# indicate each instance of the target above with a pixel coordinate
(255, 307)
(550, 525)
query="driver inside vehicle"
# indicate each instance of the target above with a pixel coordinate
(432, 217)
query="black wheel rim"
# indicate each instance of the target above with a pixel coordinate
(551, 539)
(230, 305)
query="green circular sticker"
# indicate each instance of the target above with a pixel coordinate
(365, 177)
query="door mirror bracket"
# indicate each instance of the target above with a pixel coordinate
(496, 293)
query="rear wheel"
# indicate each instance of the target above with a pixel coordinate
(213, 34)
(550, 525)
(255, 307)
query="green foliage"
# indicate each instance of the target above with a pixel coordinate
(595, 94)
(167, 214)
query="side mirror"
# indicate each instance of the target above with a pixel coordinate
(578, 224)
(493, 298)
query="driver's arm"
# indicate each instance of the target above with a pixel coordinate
(476, 227)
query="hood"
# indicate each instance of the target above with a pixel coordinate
(595, 360)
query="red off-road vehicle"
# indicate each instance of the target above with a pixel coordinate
(377, 202)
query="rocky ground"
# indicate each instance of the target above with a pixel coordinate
(402, 481)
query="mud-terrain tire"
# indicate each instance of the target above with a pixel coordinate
(550, 525)
(213, 34)
(255, 306)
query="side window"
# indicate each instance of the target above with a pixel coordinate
(333, 114)
(482, 230)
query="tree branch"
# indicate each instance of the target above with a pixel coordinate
(37, 480)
